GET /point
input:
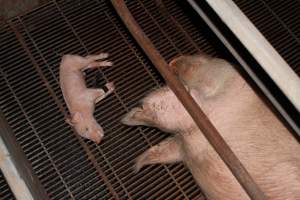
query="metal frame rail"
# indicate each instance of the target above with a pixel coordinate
(191, 106)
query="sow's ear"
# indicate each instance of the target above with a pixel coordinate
(139, 116)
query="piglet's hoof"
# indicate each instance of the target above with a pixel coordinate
(104, 92)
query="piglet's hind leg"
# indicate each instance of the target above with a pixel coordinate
(95, 64)
(97, 57)
(168, 151)
(95, 61)
(99, 94)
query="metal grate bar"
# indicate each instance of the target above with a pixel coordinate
(5, 192)
(68, 166)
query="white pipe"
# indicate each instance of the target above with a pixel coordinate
(245, 66)
(12, 176)
(281, 73)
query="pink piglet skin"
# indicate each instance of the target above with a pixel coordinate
(81, 100)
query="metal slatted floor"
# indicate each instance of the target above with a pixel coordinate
(5, 192)
(68, 166)
(279, 22)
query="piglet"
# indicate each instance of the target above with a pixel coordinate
(81, 100)
(264, 145)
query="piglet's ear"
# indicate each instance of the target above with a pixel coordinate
(76, 118)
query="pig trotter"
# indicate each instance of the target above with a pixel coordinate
(131, 118)
(98, 64)
(168, 151)
(102, 93)
(97, 57)
(139, 116)
(94, 61)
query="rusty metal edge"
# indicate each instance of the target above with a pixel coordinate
(210, 132)
(20, 162)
